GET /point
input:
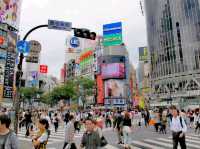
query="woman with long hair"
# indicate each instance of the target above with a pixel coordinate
(127, 129)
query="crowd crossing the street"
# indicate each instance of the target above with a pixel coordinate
(108, 129)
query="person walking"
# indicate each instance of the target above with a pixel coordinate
(90, 139)
(119, 120)
(8, 139)
(127, 129)
(40, 139)
(178, 128)
(56, 122)
(69, 134)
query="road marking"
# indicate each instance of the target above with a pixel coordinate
(143, 144)
(158, 143)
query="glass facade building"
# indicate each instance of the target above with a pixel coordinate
(173, 28)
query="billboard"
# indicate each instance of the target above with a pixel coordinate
(9, 75)
(100, 90)
(3, 39)
(114, 88)
(10, 12)
(2, 70)
(113, 70)
(12, 42)
(143, 54)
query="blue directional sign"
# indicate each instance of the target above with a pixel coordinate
(112, 34)
(23, 46)
(113, 26)
(74, 42)
(59, 25)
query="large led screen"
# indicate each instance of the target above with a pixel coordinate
(114, 88)
(113, 70)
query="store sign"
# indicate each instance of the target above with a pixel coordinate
(9, 75)
(100, 90)
(143, 54)
(43, 69)
(74, 42)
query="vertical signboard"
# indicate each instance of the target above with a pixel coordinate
(143, 54)
(10, 12)
(9, 75)
(100, 90)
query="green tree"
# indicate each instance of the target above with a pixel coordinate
(28, 93)
(86, 88)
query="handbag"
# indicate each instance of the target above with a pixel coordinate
(104, 142)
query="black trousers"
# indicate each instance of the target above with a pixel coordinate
(177, 139)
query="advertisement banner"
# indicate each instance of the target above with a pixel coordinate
(2, 70)
(12, 42)
(114, 70)
(9, 75)
(10, 12)
(100, 90)
(1, 92)
(114, 88)
(3, 39)
(143, 54)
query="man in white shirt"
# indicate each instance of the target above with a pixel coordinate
(178, 128)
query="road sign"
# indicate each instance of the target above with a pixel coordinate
(75, 42)
(43, 68)
(112, 34)
(59, 25)
(23, 46)
(112, 40)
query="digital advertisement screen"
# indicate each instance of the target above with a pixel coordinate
(114, 70)
(114, 88)
(10, 12)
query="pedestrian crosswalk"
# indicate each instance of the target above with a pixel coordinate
(55, 137)
(192, 141)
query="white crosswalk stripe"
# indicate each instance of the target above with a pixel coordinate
(192, 141)
(54, 137)
(58, 137)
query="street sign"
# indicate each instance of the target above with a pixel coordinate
(23, 46)
(112, 34)
(74, 42)
(59, 25)
(43, 68)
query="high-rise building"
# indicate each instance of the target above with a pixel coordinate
(173, 28)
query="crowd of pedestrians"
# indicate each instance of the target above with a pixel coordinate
(40, 123)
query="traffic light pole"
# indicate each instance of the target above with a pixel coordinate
(19, 74)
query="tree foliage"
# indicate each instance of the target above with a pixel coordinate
(28, 93)
(72, 89)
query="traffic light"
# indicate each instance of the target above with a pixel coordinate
(84, 33)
